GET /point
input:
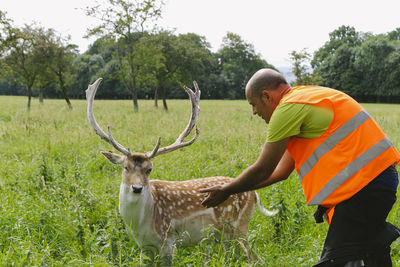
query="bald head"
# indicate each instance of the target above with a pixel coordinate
(265, 79)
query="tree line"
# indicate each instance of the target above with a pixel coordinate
(136, 61)
(139, 61)
(363, 65)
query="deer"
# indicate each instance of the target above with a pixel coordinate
(158, 213)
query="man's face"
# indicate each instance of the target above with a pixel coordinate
(262, 105)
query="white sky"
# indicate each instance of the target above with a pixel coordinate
(275, 28)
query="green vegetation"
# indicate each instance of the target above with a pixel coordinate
(364, 65)
(59, 195)
(140, 62)
(136, 60)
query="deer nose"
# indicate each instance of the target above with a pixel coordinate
(137, 189)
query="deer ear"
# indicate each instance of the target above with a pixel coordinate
(114, 158)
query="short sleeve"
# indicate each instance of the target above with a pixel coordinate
(286, 121)
(300, 120)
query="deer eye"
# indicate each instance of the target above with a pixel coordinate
(149, 171)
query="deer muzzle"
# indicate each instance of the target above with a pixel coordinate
(137, 189)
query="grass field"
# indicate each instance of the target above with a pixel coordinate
(59, 195)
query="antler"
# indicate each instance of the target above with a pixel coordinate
(179, 142)
(195, 99)
(90, 93)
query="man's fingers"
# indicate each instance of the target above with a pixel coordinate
(215, 197)
(206, 190)
(206, 202)
(209, 189)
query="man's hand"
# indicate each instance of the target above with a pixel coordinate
(255, 176)
(216, 196)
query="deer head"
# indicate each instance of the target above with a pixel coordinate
(137, 166)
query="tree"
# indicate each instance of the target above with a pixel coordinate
(5, 24)
(20, 57)
(97, 62)
(363, 65)
(339, 71)
(334, 62)
(125, 21)
(86, 69)
(394, 35)
(149, 55)
(174, 60)
(378, 59)
(62, 58)
(35, 56)
(5, 30)
(195, 56)
(54, 55)
(238, 61)
(344, 35)
(45, 78)
(301, 68)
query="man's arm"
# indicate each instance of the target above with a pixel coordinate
(254, 176)
(281, 172)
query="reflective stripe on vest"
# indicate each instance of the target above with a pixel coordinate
(350, 170)
(332, 141)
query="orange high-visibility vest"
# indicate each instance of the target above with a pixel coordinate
(346, 157)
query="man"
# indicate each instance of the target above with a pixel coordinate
(345, 162)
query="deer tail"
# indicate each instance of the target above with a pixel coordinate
(264, 210)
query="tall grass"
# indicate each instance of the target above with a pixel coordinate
(59, 196)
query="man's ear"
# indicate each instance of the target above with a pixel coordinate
(114, 158)
(265, 95)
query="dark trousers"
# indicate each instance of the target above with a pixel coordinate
(359, 231)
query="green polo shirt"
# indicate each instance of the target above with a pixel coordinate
(300, 120)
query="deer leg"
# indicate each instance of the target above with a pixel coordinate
(147, 253)
(167, 251)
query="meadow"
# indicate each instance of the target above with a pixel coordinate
(59, 195)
